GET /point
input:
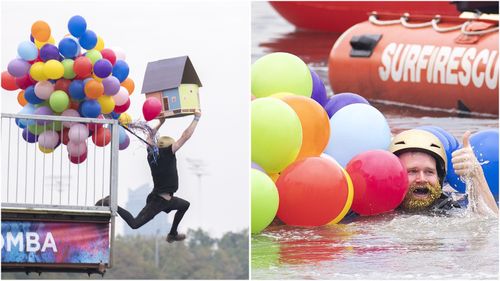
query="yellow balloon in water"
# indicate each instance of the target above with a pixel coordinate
(36, 71)
(53, 69)
(124, 119)
(107, 104)
(40, 44)
(100, 44)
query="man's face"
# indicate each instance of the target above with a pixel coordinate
(424, 188)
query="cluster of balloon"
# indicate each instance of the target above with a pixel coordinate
(77, 77)
(290, 131)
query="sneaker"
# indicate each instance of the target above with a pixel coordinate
(179, 237)
(103, 202)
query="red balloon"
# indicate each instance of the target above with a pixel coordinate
(82, 67)
(24, 81)
(380, 182)
(95, 126)
(109, 55)
(312, 192)
(9, 81)
(65, 138)
(122, 108)
(102, 137)
(63, 85)
(151, 108)
(78, 159)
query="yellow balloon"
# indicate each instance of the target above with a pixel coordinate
(124, 119)
(36, 71)
(45, 150)
(98, 79)
(53, 69)
(100, 44)
(107, 104)
(350, 196)
(39, 44)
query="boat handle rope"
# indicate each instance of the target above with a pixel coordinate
(373, 18)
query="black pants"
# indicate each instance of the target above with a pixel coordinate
(154, 205)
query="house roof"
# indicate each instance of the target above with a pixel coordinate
(169, 73)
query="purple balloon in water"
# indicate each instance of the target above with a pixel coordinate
(124, 144)
(18, 67)
(111, 85)
(43, 110)
(49, 52)
(319, 90)
(29, 137)
(338, 101)
(103, 68)
(257, 167)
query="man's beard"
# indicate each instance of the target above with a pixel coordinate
(412, 202)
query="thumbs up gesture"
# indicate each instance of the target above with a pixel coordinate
(464, 161)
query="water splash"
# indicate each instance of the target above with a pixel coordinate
(152, 135)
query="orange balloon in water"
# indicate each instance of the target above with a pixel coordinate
(315, 125)
(129, 85)
(93, 89)
(40, 31)
(20, 98)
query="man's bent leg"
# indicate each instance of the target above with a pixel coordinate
(181, 206)
(147, 213)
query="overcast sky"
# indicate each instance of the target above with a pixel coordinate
(216, 37)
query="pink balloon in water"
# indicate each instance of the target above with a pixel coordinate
(151, 108)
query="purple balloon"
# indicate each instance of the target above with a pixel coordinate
(111, 85)
(49, 52)
(319, 90)
(43, 110)
(18, 67)
(124, 144)
(103, 68)
(338, 101)
(29, 137)
(257, 166)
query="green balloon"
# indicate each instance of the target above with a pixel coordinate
(55, 126)
(69, 73)
(281, 72)
(276, 134)
(59, 101)
(36, 129)
(265, 200)
(93, 55)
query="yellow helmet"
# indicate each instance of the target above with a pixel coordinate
(423, 141)
(165, 141)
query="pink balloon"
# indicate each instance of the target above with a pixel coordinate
(48, 139)
(121, 97)
(70, 113)
(76, 149)
(44, 89)
(380, 182)
(151, 108)
(78, 133)
(77, 159)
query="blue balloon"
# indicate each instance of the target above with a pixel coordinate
(29, 95)
(122, 134)
(27, 51)
(27, 110)
(319, 90)
(68, 47)
(29, 137)
(88, 40)
(445, 141)
(115, 115)
(120, 70)
(77, 89)
(485, 147)
(90, 109)
(338, 101)
(77, 26)
(357, 128)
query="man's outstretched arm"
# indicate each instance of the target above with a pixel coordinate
(155, 130)
(187, 133)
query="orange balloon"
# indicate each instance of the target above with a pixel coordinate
(40, 31)
(20, 98)
(93, 89)
(129, 85)
(315, 125)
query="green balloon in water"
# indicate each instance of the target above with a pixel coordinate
(281, 72)
(265, 200)
(276, 134)
(59, 101)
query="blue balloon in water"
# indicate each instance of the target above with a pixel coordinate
(357, 128)
(438, 132)
(338, 101)
(120, 70)
(77, 26)
(319, 90)
(485, 147)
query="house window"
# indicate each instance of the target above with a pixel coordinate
(165, 103)
(174, 99)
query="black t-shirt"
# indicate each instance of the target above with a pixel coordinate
(164, 170)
